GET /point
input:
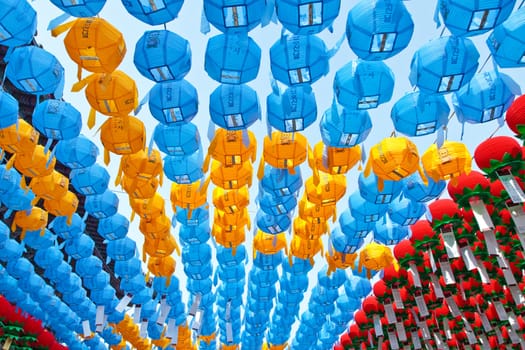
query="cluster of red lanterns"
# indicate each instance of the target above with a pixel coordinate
(461, 279)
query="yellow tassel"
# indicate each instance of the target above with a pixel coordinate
(106, 156)
(92, 118)
(69, 219)
(368, 168)
(61, 28)
(11, 161)
(42, 231)
(13, 226)
(380, 184)
(132, 217)
(260, 170)
(161, 178)
(118, 179)
(82, 83)
(206, 164)
(79, 72)
(23, 234)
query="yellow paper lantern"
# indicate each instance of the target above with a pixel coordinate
(161, 266)
(376, 256)
(160, 247)
(448, 162)
(189, 196)
(231, 147)
(328, 191)
(269, 243)
(339, 260)
(231, 177)
(333, 160)
(148, 209)
(143, 164)
(64, 206)
(284, 151)
(314, 213)
(122, 135)
(229, 239)
(155, 228)
(30, 220)
(234, 221)
(309, 230)
(140, 188)
(394, 158)
(305, 248)
(19, 138)
(34, 164)
(52, 186)
(231, 201)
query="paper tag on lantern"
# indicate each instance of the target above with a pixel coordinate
(371, 339)
(485, 345)
(136, 315)
(514, 338)
(195, 305)
(437, 286)
(397, 298)
(440, 344)
(483, 274)
(172, 332)
(415, 274)
(394, 344)
(500, 310)
(513, 321)
(401, 331)
(390, 313)
(511, 186)
(144, 329)
(468, 258)
(425, 332)
(229, 332)
(446, 271)
(407, 347)
(121, 306)
(164, 312)
(377, 326)
(379, 342)
(518, 217)
(421, 305)
(197, 321)
(502, 260)
(509, 277)
(86, 328)
(446, 329)
(462, 290)
(517, 295)
(491, 242)
(99, 318)
(451, 245)
(487, 327)
(481, 215)
(453, 307)
(415, 340)
(471, 336)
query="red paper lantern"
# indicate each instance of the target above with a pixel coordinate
(444, 212)
(498, 153)
(472, 186)
(423, 235)
(515, 116)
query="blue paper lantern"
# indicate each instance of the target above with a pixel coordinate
(272, 224)
(415, 189)
(142, 297)
(113, 227)
(8, 109)
(226, 257)
(296, 266)
(153, 12)
(91, 180)
(88, 266)
(198, 272)
(68, 284)
(378, 29)
(268, 261)
(75, 297)
(263, 278)
(231, 290)
(305, 17)
(202, 286)
(102, 205)
(17, 23)
(20, 268)
(388, 234)
(98, 281)
(368, 189)
(198, 216)
(103, 296)
(196, 254)
(35, 71)
(231, 274)
(444, 65)
(161, 55)
(474, 17)
(111, 337)
(294, 110)
(67, 230)
(343, 128)
(237, 16)
(58, 120)
(363, 84)
(18, 199)
(364, 210)
(232, 59)
(173, 102)
(193, 235)
(84, 8)
(418, 114)
(133, 285)
(178, 139)
(405, 212)
(35, 239)
(121, 249)
(357, 287)
(184, 169)
(80, 247)
(234, 107)
(353, 228)
(486, 97)
(506, 38)
(58, 272)
(299, 59)
(49, 257)
(293, 286)
(79, 152)
(127, 269)
(274, 205)
(333, 281)
(280, 182)
(343, 243)
(9, 180)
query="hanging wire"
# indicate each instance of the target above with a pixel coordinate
(522, 2)
(486, 60)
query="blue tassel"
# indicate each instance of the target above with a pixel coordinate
(58, 21)
(269, 13)
(440, 137)
(205, 24)
(141, 104)
(211, 130)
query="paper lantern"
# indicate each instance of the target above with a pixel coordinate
(144, 164)
(328, 191)
(281, 182)
(365, 211)
(51, 186)
(160, 12)
(232, 147)
(341, 127)
(149, 208)
(34, 240)
(444, 65)
(344, 243)
(231, 201)
(196, 217)
(379, 29)
(363, 84)
(335, 160)
(122, 135)
(90, 180)
(88, 266)
(293, 110)
(368, 188)
(232, 58)
(113, 227)
(21, 138)
(234, 107)
(284, 151)
(352, 227)
(139, 187)
(418, 114)
(189, 196)
(87, 8)
(305, 248)
(177, 140)
(127, 269)
(57, 120)
(272, 223)
(267, 243)
(228, 238)
(102, 205)
(9, 108)
(275, 205)
(158, 227)
(67, 205)
(447, 162)
(239, 16)
(197, 234)
(231, 177)
(34, 164)
(173, 102)
(299, 59)
(232, 221)
(162, 266)
(504, 39)
(474, 18)
(121, 249)
(80, 247)
(486, 97)
(388, 234)
(67, 229)
(414, 188)
(18, 23)
(498, 153)
(161, 55)
(376, 257)
(393, 158)
(79, 152)
(18, 199)
(9, 180)
(184, 169)
(306, 18)
(405, 212)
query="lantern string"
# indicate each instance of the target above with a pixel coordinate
(522, 2)
(486, 61)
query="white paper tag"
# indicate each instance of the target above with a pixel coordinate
(468, 258)
(437, 286)
(196, 324)
(517, 295)
(451, 245)
(86, 328)
(425, 332)
(172, 331)
(432, 260)
(379, 342)
(164, 312)
(514, 338)
(415, 340)
(136, 314)
(518, 217)
(512, 187)
(121, 306)
(394, 344)
(485, 345)
(421, 305)
(195, 305)
(500, 310)
(397, 298)
(471, 336)
(99, 318)
(401, 332)
(453, 307)
(483, 274)
(440, 344)
(513, 321)
(378, 328)
(413, 270)
(481, 215)
(462, 290)
(446, 329)
(229, 332)
(509, 277)
(491, 242)
(144, 329)
(390, 313)
(485, 322)
(502, 261)
(446, 271)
